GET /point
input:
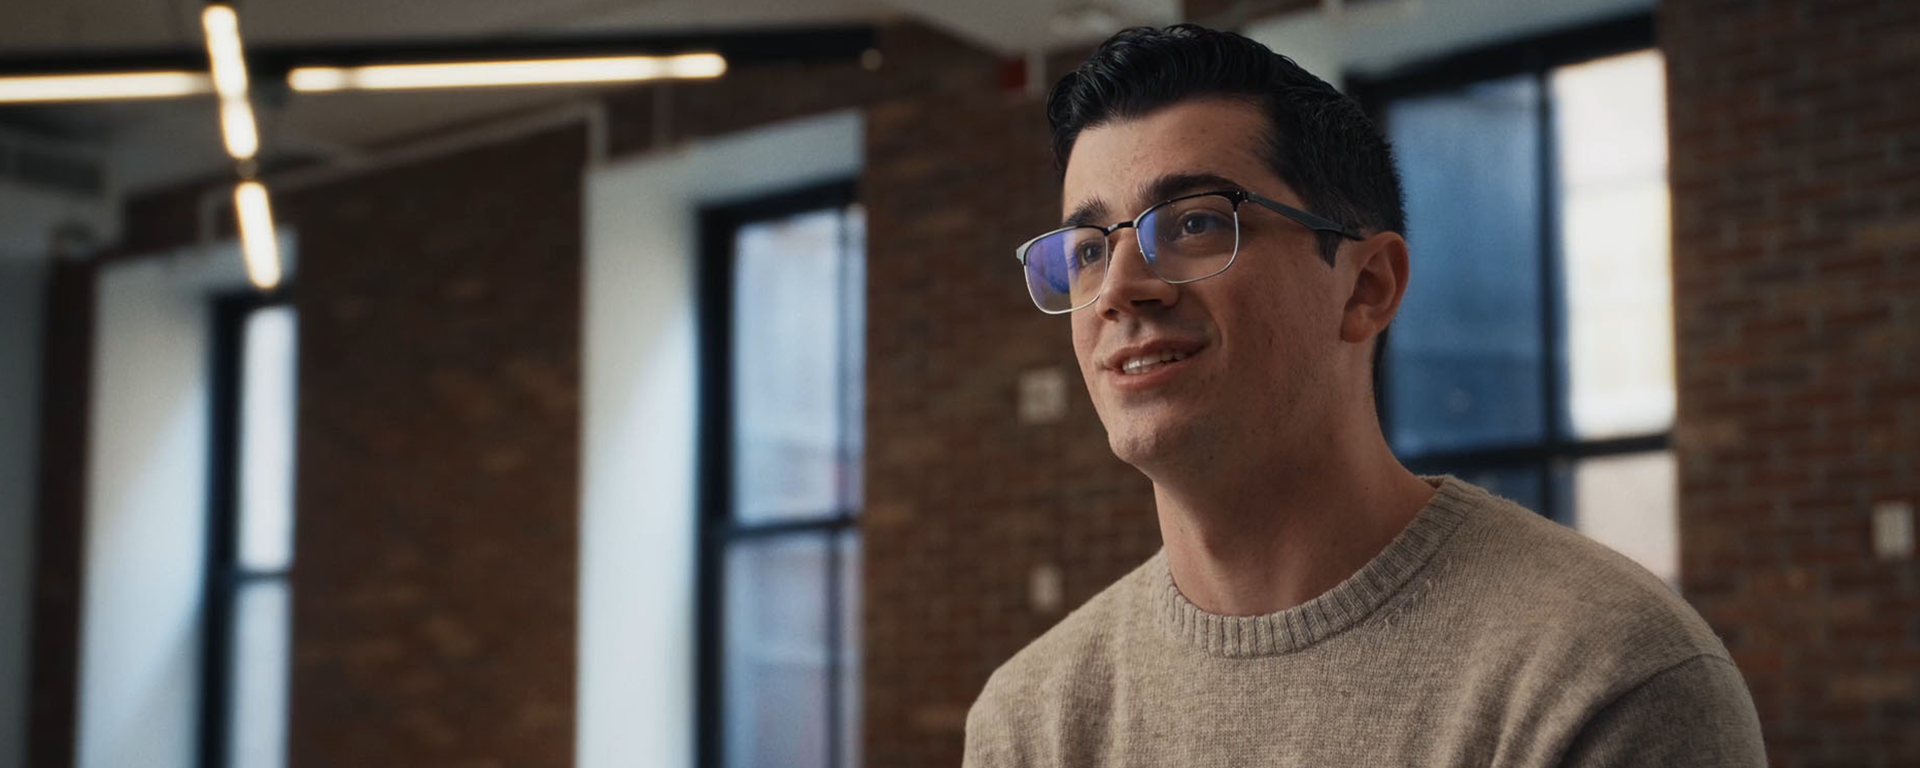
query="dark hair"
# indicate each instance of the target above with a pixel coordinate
(1319, 141)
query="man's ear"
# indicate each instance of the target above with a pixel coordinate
(1379, 283)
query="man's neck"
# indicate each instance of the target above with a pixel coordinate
(1266, 537)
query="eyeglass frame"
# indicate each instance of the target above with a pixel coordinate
(1237, 196)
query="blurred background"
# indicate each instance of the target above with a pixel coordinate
(696, 416)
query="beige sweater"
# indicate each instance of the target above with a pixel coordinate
(1484, 635)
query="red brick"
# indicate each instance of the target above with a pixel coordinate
(460, 369)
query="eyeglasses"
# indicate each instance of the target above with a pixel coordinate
(1185, 239)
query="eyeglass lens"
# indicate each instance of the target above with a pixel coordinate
(1183, 241)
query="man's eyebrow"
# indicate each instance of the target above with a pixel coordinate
(1090, 213)
(1094, 212)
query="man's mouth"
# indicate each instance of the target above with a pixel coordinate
(1140, 361)
(1139, 364)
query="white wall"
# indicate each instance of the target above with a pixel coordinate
(22, 286)
(636, 638)
(1374, 38)
(146, 508)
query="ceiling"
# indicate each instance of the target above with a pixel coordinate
(147, 144)
(80, 25)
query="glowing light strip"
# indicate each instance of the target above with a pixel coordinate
(222, 27)
(237, 127)
(257, 240)
(101, 87)
(481, 74)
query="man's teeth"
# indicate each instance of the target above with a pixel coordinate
(1145, 363)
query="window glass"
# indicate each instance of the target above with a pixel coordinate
(257, 699)
(1610, 129)
(776, 655)
(796, 366)
(1629, 502)
(1463, 357)
(266, 440)
(789, 614)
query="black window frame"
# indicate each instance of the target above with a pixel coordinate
(1536, 55)
(225, 576)
(717, 530)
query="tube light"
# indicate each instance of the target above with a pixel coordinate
(237, 126)
(476, 74)
(101, 87)
(238, 129)
(222, 27)
(257, 240)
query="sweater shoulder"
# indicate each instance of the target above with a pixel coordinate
(1543, 584)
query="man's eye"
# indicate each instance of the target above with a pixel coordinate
(1201, 223)
(1088, 253)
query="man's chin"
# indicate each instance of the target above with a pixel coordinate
(1147, 443)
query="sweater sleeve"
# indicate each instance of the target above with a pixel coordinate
(989, 741)
(1694, 715)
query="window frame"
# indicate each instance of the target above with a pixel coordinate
(1556, 453)
(225, 576)
(717, 529)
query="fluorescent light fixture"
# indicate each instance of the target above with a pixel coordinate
(238, 129)
(222, 26)
(229, 66)
(257, 240)
(479, 74)
(101, 87)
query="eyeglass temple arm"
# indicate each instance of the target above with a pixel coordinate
(1309, 220)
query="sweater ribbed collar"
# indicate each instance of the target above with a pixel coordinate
(1331, 613)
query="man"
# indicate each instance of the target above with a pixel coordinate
(1232, 250)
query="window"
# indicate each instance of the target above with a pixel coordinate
(783, 282)
(246, 663)
(1534, 352)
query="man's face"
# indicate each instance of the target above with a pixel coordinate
(1255, 342)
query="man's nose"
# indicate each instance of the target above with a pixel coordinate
(1131, 284)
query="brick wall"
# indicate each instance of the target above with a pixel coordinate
(434, 585)
(1796, 198)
